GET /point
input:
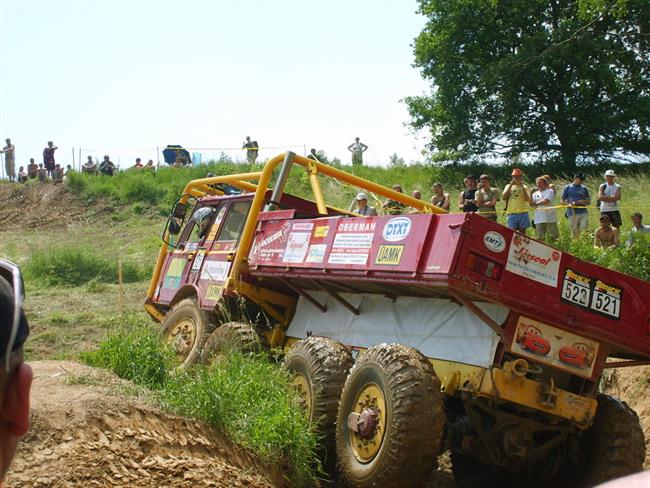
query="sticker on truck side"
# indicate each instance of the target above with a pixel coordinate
(591, 294)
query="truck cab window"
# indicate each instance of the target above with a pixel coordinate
(234, 222)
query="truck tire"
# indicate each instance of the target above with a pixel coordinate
(231, 336)
(397, 394)
(319, 366)
(186, 329)
(614, 445)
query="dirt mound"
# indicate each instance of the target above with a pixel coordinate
(85, 434)
(42, 205)
(631, 385)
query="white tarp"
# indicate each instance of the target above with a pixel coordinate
(436, 327)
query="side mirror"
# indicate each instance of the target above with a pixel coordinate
(174, 227)
(179, 211)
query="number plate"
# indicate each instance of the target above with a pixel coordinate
(591, 294)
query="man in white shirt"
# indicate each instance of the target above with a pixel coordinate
(609, 195)
(545, 217)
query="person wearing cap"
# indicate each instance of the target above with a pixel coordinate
(609, 195)
(517, 198)
(606, 236)
(545, 217)
(576, 196)
(361, 206)
(487, 198)
(15, 374)
(467, 197)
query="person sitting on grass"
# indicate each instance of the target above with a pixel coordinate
(606, 236)
(32, 169)
(57, 174)
(41, 173)
(89, 166)
(15, 374)
(638, 228)
(22, 175)
(106, 167)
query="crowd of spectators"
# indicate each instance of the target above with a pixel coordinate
(521, 202)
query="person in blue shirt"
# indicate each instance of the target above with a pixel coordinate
(576, 195)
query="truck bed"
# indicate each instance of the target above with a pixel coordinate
(463, 257)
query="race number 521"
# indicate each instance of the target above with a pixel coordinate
(606, 304)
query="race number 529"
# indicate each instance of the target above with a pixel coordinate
(576, 293)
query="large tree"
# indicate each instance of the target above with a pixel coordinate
(565, 79)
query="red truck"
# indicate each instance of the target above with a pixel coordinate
(410, 335)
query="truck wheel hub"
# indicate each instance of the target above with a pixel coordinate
(367, 423)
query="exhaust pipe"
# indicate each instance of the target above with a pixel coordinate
(278, 190)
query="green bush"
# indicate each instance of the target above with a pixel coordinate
(137, 355)
(252, 401)
(73, 266)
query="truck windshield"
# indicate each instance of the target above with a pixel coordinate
(235, 220)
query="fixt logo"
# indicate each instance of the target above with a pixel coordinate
(397, 229)
(494, 241)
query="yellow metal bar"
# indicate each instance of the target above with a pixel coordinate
(156, 270)
(246, 238)
(312, 171)
(233, 180)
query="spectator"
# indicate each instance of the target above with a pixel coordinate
(15, 375)
(48, 157)
(357, 148)
(517, 197)
(106, 167)
(150, 165)
(89, 167)
(487, 198)
(393, 207)
(362, 207)
(42, 173)
(545, 217)
(606, 236)
(138, 164)
(22, 175)
(417, 194)
(638, 228)
(467, 197)
(57, 174)
(252, 150)
(10, 160)
(549, 181)
(32, 169)
(576, 196)
(440, 198)
(312, 155)
(609, 194)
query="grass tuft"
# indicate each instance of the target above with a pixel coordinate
(72, 266)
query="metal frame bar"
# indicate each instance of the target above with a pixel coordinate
(625, 364)
(305, 295)
(338, 298)
(478, 312)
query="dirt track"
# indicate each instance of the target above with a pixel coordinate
(85, 435)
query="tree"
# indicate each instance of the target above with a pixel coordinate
(564, 79)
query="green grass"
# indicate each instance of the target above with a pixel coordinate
(72, 266)
(250, 399)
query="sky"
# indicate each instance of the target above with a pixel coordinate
(122, 78)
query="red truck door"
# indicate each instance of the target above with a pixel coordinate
(211, 267)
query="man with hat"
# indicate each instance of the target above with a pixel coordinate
(361, 206)
(609, 194)
(15, 375)
(576, 196)
(517, 198)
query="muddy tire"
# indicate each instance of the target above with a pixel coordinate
(471, 473)
(614, 445)
(186, 329)
(320, 366)
(231, 336)
(397, 394)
